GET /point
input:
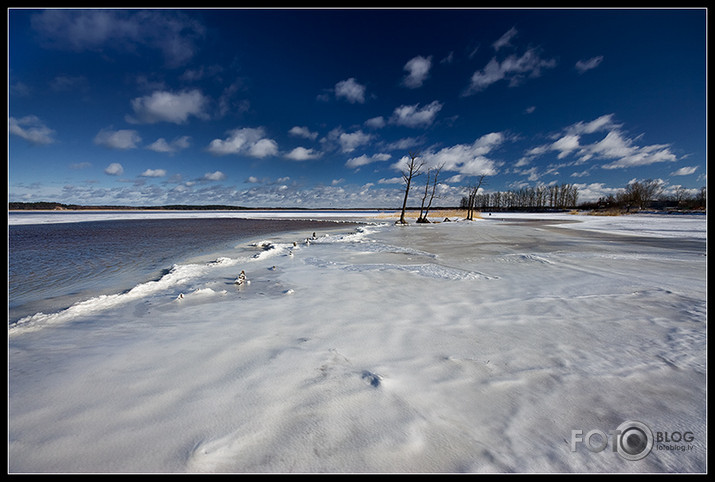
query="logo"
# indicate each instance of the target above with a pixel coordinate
(635, 440)
(632, 440)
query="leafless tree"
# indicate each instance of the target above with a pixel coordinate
(412, 169)
(641, 193)
(433, 174)
(472, 191)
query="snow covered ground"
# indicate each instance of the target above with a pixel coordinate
(488, 346)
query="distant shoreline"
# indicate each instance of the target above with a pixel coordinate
(20, 207)
(53, 206)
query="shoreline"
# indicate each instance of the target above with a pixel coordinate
(57, 302)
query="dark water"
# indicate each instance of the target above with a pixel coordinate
(52, 266)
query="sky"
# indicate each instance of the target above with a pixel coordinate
(320, 108)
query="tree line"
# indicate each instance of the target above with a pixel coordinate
(564, 196)
(636, 195)
(649, 194)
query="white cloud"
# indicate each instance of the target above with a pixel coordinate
(161, 145)
(390, 180)
(364, 160)
(351, 141)
(214, 176)
(263, 148)
(513, 68)
(350, 90)
(417, 71)
(615, 146)
(684, 171)
(163, 106)
(303, 154)
(594, 191)
(119, 139)
(303, 132)
(172, 33)
(251, 141)
(404, 144)
(505, 40)
(114, 169)
(465, 159)
(413, 116)
(565, 145)
(154, 173)
(602, 123)
(376, 122)
(584, 65)
(31, 129)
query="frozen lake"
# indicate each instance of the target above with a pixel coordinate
(488, 346)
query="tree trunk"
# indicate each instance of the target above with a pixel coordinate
(413, 168)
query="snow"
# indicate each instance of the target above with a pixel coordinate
(452, 347)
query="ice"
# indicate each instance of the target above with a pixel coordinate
(452, 347)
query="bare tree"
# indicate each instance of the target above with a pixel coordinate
(412, 169)
(425, 209)
(641, 193)
(472, 191)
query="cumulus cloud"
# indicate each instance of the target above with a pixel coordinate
(154, 173)
(417, 71)
(513, 69)
(263, 148)
(174, 34)
(351, 141)
(31, 129)
(164, 106)
(303, 132)
(114, 169)
(214, 176)
(250, 141)
(585, 65)
(466, 159)
(161, 145)
(120, 139)
(350, 90)
(376, 122)
(414, 116)
(303, 154)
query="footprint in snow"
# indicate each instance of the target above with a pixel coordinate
(372, 379)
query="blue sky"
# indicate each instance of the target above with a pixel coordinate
(318, 108)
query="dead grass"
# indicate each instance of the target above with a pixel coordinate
(606, 212)
(435, 215)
